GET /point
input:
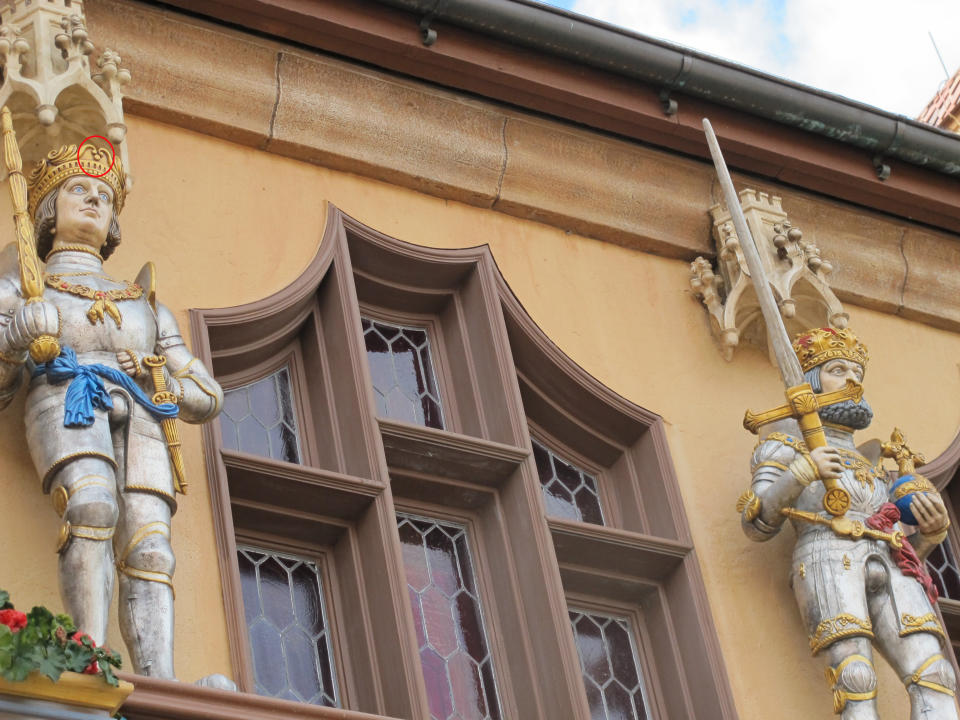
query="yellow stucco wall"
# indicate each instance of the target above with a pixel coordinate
(228, 225)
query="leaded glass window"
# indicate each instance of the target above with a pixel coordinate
(288, 628)
(401, 369)
(610, 665)
(454, 654)
(942, 566)
(258, 418)
(568, 491)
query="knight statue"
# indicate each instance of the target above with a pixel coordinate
(100, 415)
(858, 580)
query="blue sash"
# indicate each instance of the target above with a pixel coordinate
(86, 390)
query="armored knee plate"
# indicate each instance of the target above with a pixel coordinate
(853, 679)
(935, 673)
(148, 556)
(89, 510)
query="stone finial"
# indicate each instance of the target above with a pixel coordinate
(57, 96)
(796, 271)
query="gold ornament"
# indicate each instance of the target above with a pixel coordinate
(841, 626)
(104, 301)
(61, 164)
(863, 471)
(815, 347)
(846, 561)
(749, 505)
(60, 496)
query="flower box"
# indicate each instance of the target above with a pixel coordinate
(82, 695)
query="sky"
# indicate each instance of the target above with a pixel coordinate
(875, 51)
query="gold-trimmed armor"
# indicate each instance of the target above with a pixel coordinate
(111, 482)
(845, 573)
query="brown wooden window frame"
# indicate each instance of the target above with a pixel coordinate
(501, 379)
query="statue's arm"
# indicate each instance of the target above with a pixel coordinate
(200, 396)
(780, 474)
(12, 357)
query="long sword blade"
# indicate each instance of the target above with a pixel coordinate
(786, 359)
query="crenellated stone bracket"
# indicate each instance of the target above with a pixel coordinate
(56, 95)
(796, 272)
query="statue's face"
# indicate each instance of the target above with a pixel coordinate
(84, 211)
(835, 373)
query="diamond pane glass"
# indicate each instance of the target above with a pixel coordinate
(258, 418)
(942, 566)
(289, 636)
(404, 384)
(454, 654)
(568, 491)
(611, 670)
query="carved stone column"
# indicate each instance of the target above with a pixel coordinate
(795, 270)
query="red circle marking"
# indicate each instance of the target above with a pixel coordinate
(113, 157)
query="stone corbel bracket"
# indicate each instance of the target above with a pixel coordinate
(55, 95)
(795, 271)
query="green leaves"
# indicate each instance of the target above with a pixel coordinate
(49, 644)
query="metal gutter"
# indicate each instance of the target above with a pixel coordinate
(676, 69)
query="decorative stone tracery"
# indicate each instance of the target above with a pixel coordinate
(796, 270)
(56, 95)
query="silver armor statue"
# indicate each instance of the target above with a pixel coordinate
(858, 582)
(98, 422)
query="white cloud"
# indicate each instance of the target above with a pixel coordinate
(877, 52)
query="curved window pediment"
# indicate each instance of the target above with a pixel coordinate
(502, 389)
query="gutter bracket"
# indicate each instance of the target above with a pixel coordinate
(427, 34)
(671, 106)
(882, 169)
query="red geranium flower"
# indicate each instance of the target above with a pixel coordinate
(13, 619)
(92, 668)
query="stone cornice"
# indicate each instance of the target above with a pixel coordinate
(319, 109)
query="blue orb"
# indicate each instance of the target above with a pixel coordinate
(903, 503)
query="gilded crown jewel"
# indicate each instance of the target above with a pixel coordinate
(816, 347)
(64, 163)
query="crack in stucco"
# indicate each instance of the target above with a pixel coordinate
(906, 268)
(503, 166)
(276, 101)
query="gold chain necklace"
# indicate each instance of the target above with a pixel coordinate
(862, 470)
(104, 301)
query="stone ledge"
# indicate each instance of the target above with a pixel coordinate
(326, 111)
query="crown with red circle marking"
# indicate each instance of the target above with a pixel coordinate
(61, 164)
(817, 346)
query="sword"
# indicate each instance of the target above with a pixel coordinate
(146, 279)
(800, 395)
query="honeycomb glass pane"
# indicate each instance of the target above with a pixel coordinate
(454, 653)
(568, 492)
(401, 371)
(943, 568)
(258, 418)
(611, 670)
(289, 635)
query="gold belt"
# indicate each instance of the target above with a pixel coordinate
(843, 526)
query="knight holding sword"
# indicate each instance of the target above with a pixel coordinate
(108, 374)
(859, 581)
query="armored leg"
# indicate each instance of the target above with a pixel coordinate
(852, 678)
(145, 563)
(84, 493)
(918, 659)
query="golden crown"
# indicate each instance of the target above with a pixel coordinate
(64, 163)
(815, 347)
